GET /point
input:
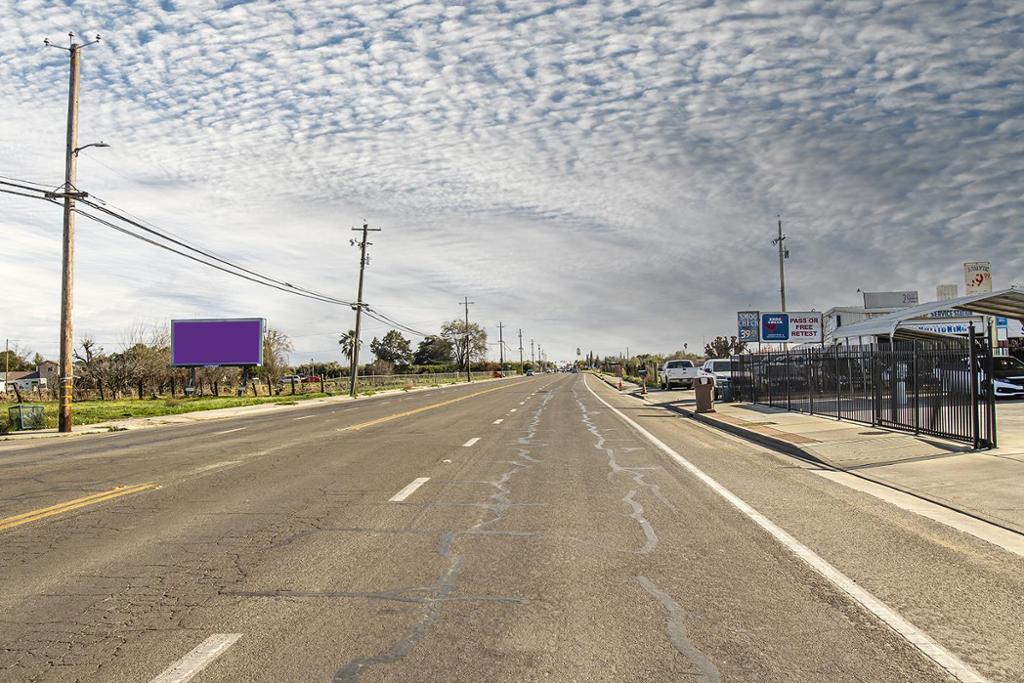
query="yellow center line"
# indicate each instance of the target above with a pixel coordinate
(60, 508)
(395, 416)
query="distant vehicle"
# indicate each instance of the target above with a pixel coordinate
(311, 378)
(722, 370)
(678, 373)
(288, 379)
(574, 370)
(529, 372)
(1007, 377)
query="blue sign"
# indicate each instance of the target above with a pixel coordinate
(775, 327)
(1002, 322)
(747, 324)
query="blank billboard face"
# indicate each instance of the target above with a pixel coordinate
(237, 341)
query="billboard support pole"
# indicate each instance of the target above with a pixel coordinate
(359, 306)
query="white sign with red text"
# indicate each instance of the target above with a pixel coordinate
(804, 327)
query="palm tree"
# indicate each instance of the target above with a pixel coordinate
(348, 344)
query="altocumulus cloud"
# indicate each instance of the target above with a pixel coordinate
(599, 173)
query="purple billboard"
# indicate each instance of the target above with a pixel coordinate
(222, 341)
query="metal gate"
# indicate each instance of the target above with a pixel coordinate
(924, 387)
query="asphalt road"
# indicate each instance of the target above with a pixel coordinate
(509, 531)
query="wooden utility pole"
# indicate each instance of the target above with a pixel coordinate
(532, 361)
(359, 305)
(501, 347)
(521, 368)
(783, 255)
(69, 193)
(467, 303)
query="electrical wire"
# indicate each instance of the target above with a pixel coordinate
(198, 255)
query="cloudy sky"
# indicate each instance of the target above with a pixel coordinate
(598, 173)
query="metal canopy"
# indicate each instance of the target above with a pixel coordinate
(1008, 303)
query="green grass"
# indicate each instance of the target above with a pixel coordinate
(91, 412)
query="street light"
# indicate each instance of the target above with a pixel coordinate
(76, 150)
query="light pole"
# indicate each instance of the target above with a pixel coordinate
(69, 193)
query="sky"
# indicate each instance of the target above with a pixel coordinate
(599, 174)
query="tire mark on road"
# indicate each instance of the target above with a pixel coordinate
(677, 632)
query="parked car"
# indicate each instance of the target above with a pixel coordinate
(311, 378)
(529, 372)
(678, 373)
(288, 379)
(722, 370)
(1008, 377)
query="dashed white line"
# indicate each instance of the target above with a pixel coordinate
(228, 431)
(196, 660)
(498, 421)
(913, 635)
(304, 417)
(513, 410)
(471, 442)
(408, 490)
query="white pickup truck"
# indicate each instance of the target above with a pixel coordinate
(678, 373)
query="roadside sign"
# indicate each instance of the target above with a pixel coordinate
(978, 276)
(775, 327)
(805, 327)
(798, 328)
(1002, 322)
(748, 325)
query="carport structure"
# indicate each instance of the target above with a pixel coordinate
(1007, 303)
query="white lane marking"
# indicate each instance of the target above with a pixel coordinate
(513, 410)
(228, 431)
(522, 403)
(213, 466)
(919, 639)
(408, 490)
(471, 442)
(304, 417)
(498, 421)
(196, 660)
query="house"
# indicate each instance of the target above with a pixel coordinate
(46, 374)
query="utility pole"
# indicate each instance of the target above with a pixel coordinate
(521, 368)
(532, 361)
(359, 305)
(783, 255)
(467, 303)
(501, 347)
(69, 192)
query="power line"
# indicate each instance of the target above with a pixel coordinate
(204, 256)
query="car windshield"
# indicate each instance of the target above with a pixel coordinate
(1009, 364)
(722, 366)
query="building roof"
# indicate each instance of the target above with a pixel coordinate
(15, 376)
(1008, 303)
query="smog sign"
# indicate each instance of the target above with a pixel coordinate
(775, 327)
(978, 276)
(796, 328)
(748, 326)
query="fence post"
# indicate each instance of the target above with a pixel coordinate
(810, 385)
(917, 397)
(839, 391)
(972, 378)
(787, 372)
(991, 394)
